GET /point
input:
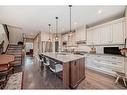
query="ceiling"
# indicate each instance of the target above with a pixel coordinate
(33, 19)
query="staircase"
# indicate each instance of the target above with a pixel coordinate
(15, 50)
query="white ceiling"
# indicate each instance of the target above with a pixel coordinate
(33, 19)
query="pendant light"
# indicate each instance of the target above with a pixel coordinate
(56, 36)
(49, 32)
(70, 32)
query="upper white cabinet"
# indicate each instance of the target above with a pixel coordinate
(118, 32)
(90, 37)
(80, 34)
(105, 34)
(96, 36)
(65, 37)
(109, 33)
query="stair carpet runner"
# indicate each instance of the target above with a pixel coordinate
(15, 50)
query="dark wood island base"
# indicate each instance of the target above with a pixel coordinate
(73, 73)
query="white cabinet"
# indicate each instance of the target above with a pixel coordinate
(90, 37)
(109, 33)
(105, 64)
(118, 32)
(96, 36)
(80, 34)
(65, 37)
(71, 40)
(105, 35)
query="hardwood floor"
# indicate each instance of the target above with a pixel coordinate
(96, 80)
(37, 78)
(42, 78)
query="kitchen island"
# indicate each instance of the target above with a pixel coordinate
(73, 67)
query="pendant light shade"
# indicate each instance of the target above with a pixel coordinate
(49, 32)
(70, 32)
(56, 36)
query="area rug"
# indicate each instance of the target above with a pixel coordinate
(15, 81)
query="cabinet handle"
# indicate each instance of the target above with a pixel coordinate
(114, 63)
(114, 58)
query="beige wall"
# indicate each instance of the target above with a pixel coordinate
(126, 20)
(3, 36)
(15, 34)
(37, 45)
(1, 33)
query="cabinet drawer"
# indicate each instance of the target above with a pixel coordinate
(117, 59)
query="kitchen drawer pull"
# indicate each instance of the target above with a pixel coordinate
(114, 58)
(114, 63)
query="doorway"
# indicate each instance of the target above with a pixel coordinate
(29, 48)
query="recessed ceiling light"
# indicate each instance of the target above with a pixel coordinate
(99, 11)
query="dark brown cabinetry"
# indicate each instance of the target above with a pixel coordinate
(77, 72)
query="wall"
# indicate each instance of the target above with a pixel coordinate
(45, 36)
(37, 45)
(1, 33)
(15, 34)
(126, 20)
(3, 36)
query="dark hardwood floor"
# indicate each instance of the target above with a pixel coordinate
(42, 78)
(39, 78)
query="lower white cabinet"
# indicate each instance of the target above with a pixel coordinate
(105, 64)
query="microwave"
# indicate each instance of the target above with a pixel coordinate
(112, 50)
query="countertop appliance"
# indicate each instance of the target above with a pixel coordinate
(112, 50)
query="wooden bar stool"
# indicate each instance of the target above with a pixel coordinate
(121, 75)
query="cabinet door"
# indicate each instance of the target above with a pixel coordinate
(105, 34)
(74, 73)
(80, 34)
(90, 37)
(81, 67)
(118, 32)
(71, 40)
(65, 37)
(96, 36)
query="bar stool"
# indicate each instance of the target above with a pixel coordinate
(121, 75)
(41, 61)
(56, 68)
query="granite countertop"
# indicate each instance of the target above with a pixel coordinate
(63, 57)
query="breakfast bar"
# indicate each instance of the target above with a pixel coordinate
(73, 67)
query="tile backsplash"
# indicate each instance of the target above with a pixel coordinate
(99, 49)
